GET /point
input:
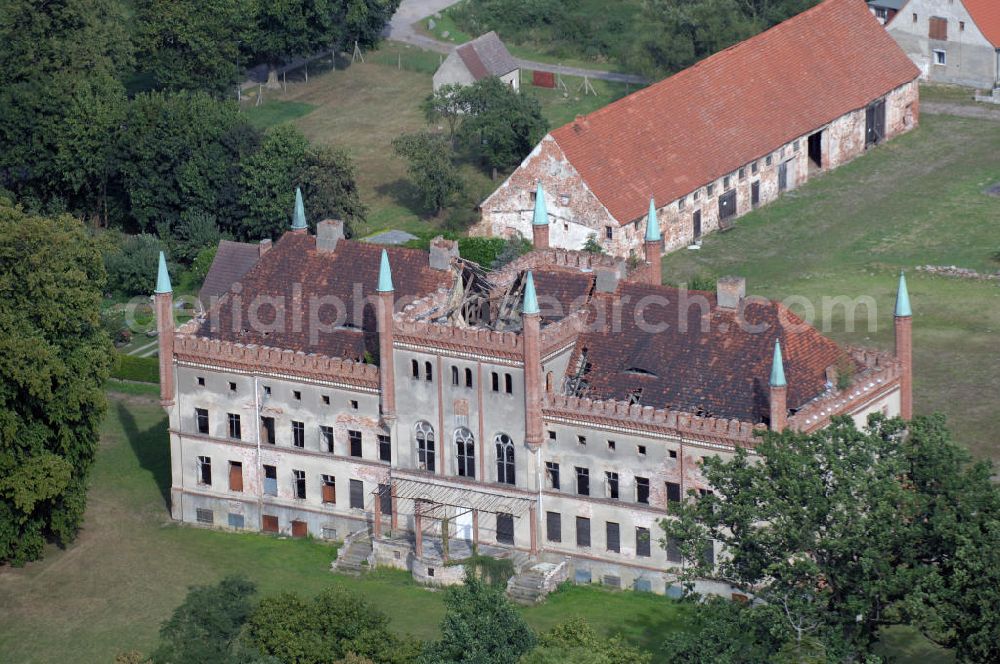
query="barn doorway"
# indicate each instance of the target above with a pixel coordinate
(783, 176)
(816, 150)
(755, 193)
(875, 123)
(696, 219)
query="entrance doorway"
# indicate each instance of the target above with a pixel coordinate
(696, 219)
(783, 176)
(816, 150)
(875, 123)
(755, 193)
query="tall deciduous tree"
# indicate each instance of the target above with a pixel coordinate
(842, 532)
(54, 359)
(429, 163)
(503, 125)
(196, 45)
(62, 61)
(481, 626)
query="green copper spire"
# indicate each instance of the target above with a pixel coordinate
(652, 223)
(777, 367)
(384, 275)
(541, 216)
(299, 216)
(530, 298)
(903, 299)
(163, 277)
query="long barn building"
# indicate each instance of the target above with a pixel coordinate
(718, 139)
(552, 411)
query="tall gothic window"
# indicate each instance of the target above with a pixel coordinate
(465, 445)
(425, 446)
(505, 458)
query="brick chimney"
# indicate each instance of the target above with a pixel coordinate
(386, 372)
(263, 247)
(903, 320)
(730, 291)
(779, 391)
(442, 253)
(540, 220)
(531, 331)
(328, 233)
(163, 298)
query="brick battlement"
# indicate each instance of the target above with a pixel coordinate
(559, 334)
(647, 419)
(880, 371)
(578, 260)
(425, 333)
(262, 359)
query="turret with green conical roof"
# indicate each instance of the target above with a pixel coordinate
(777, 367)
(163, 277)
(299, 215)
(530, 298)
(384, 274)
(652, 224)
(903, 298)
(540, 220)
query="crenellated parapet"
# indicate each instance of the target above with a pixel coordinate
(646, 419)
(507, 345)
(264, 359)
(878, 372)
(563, 332)
(583, 261)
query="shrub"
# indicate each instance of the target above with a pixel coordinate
(132, 264)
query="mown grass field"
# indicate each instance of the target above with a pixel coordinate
(109, 591)
(363, 107)
(916, 200)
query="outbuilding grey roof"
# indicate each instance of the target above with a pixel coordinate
(486, 56)
(888, 4)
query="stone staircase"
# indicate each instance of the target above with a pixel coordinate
(352, 558)
(533, 584)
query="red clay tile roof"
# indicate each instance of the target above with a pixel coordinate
(734, 107)
(986, 14)
(349, 274)
(561, 292)
(722, 371)
(232, 261)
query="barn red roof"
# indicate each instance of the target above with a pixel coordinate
(986, 14)
(734, 107)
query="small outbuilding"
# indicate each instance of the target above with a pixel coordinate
(478, 59)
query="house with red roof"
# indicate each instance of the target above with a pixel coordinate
(718, 139)
(951, 42)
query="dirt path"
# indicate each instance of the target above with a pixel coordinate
(962, 110)
(410, 11)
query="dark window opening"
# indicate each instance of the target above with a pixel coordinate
(415, 368)
(727, 204)
(582, 531)
(642, 548)
(505, 528)
(201, 381)
(201, 414)
(611, 484)
(552, 474)
(384, 447)
(755, 193)
(428, 371)
(553, 526)
(357, 498)
(672, 454)
(300, 484)
(583, 481)
(298, 434)
(234, 426)
(496, 381)
(508, 384)
(613, 537)
(354, 438)
(465, 452)
(205, 470)
(326, 438)
(425, 446)
(468, 377)
(609, 232)
(267, 430)
(816, 149)
(640, 450)
(505, 459)
(454, 376)
(673, 492)
(297, 395)
(642, 490)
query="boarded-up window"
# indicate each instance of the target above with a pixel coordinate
(269, 523)
(329, 489)
(613, 537)
(582, 531)
(642, 542)
(505, 528)
(235, 476)
(357, 495)
(553, 526)
(236, 520)
(205, 516)
(299, 529)
(612, 580)
(937, 28)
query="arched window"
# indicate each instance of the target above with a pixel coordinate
(428, 371)
(415, 368)
(548, 381)
(425, 445)
(454, 375)
(508, 383)
(468, 377)
(465, 446)
(505, 458)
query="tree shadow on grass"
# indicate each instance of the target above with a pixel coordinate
(151, 447)
(406, 194)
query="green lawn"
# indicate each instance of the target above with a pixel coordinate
(915, 200)
(109, 591)
(278, 112)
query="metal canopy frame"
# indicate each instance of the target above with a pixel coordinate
(433, 496)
